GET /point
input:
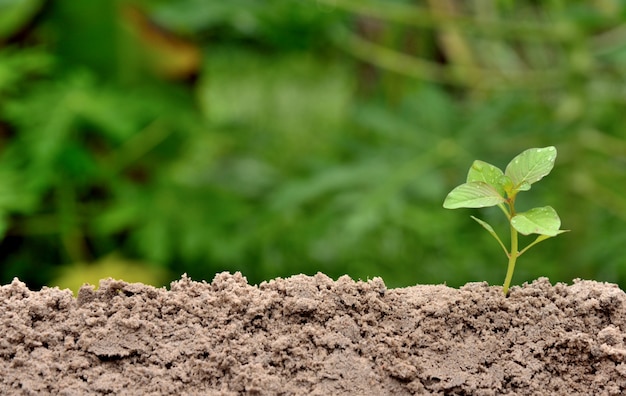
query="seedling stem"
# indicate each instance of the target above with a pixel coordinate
(487, 186)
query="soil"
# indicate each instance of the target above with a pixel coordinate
(314, 336)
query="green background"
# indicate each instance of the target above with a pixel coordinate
(145, 139)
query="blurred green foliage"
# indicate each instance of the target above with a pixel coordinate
(144, 139)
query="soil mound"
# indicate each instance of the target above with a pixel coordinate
(313, 335)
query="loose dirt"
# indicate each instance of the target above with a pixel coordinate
(313, 336)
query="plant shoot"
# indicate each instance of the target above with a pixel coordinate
(487, 186)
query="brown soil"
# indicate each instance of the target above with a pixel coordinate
(313, 335)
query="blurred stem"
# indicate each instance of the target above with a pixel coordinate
(602, 143)
(609, 42)
(452, 41)
(411, 66)
(68, 226)
(43, 224)
(495, 52)
(416, 16)
(602, 196)
(139, 145)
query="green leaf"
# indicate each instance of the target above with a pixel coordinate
(474, 194)
(485, 172)
(530, 166)
(543, 221)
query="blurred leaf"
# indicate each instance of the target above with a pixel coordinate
(15, 14)
(162, 51)
(17, 67)
(299, 193)
(298, 149)
(15, 193)
(197, 15)
(284, 24)
(84, 37)
(264, 97)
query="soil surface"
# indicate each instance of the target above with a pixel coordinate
(313, 336)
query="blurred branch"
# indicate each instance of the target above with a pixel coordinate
(416, 16)
(592, 182)
(69, 225)
(585, 184)
(453, 43)
(139, 145)
(610, 41)
(411, 66)
(603, 143)
(43, 224)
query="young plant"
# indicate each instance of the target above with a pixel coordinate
(487, 186)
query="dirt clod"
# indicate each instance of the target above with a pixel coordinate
(313, 335)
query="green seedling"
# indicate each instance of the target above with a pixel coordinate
(487, 186)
